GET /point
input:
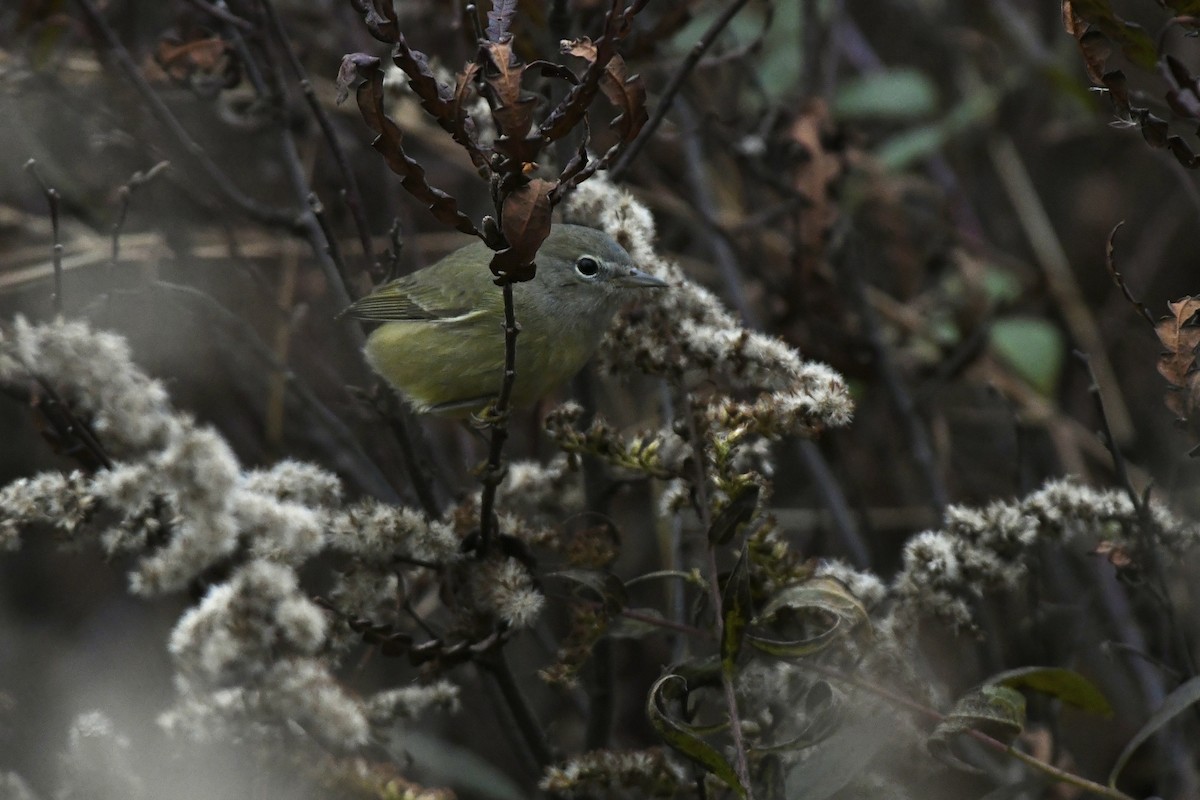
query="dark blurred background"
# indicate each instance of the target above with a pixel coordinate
(959, 146)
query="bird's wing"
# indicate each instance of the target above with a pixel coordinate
(408, 299)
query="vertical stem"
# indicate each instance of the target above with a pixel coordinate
(714, 588)
(494, 473)
(353, 197)
(52, 197)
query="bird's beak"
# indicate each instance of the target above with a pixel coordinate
(636, 279)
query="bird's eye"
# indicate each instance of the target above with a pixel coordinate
(587, 266)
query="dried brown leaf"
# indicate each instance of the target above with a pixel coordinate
(380, 18)
(525, 222)
(1182, 96)
(502, 73)
(626, 92)
(1096, 50)
(389, 142)
(1179, 333)
(500, 20)
(567, 114)
(443, 103)
(816, 174)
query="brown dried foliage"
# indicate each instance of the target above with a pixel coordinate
(523, 206)
(1097, 28)
(1179, 333)
(389, 142)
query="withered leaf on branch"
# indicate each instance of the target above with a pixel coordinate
(500, 19)
(1182, 97)
(389, 142)
(574, 106)
(180, 60)
(624, 91)
(1095, 27)
(380, 18)
(502, 73)
(1135, 43)
(525, 222)
(443, 103)
(1180, 335)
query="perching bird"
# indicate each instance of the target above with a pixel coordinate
(442, 342)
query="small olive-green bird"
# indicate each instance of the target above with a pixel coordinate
(441, 344)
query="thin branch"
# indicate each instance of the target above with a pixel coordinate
(225, 15)
(353, 197)
(262, 213)
(849, 260)
(531, 730)
(1060, 279)
(497, 417)
(1056, 774)
(714, 588)
(52, 198)
(674, 85)
(1149, 550)
(124, 196)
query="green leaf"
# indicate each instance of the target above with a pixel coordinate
(924, 141)
(1033, 347)
(1178, 701)
(736, 604)
(736, 513)
(680, 739)
(1001, 286)
(687, 577)
(1063, 684)
(823, 597)
(894, 94)
(997, 711)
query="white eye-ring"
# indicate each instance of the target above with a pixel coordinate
(587, 267)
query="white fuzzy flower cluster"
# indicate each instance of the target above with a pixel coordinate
(612, 773)
(411, 702)
(260, 633)
(254, 652)
(541, 492)
(97, 762)
(686, 330)
(986, 548)
(504, 587)
(129, 411)
(299, 691)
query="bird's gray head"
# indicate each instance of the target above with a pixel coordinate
(588, 271)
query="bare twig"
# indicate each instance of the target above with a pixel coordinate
(1060, 279)
(531, 730)
(674, 85)
(52, 198)
(124, 196)
(497, 417)
(918, 438)
(1056, 774)
(225, 15)
(353, 197)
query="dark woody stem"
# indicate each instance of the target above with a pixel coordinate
(498, 419)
